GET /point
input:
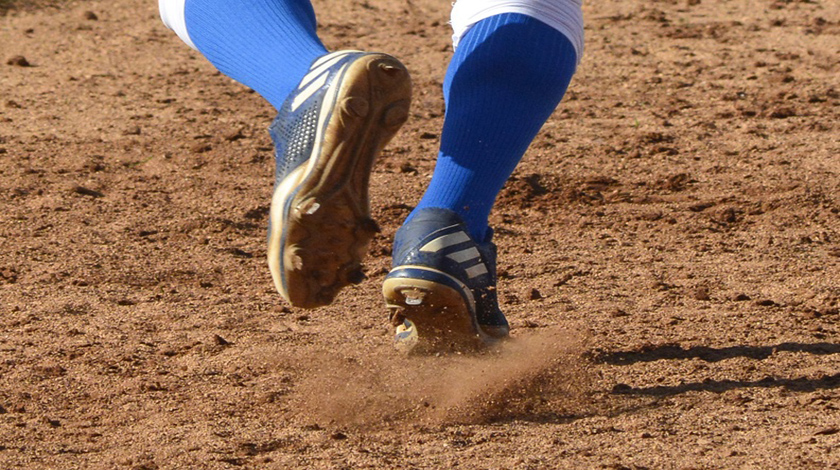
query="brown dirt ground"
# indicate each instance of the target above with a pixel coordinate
(670, 255)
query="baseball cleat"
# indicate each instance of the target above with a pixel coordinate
(441, 289)
(327, 135)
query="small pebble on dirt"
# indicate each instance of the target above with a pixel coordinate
(234, 135)
(19, 61)
(78, 189)
(700, 206)
(221, 341)
(87, 191)
(89, 15)
(239, 253)
(702, 293)
(201, 147)
(741, 297)
(618, 313)
(828, 431)
(563, 279)
(783, 113)
(621, 388)
(407, 167)
(535, 294)
(651, 216)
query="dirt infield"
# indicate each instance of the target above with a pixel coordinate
(669, 255)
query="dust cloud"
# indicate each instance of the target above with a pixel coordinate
(537, 375)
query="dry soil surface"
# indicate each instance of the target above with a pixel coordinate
(669, 255)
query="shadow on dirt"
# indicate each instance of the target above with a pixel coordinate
(801, 384)
(673, 351)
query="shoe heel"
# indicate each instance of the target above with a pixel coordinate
(440, 314)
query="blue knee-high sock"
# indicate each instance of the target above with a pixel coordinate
(267, 45)
(507, 76)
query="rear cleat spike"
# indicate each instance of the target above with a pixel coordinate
(406, 337)
(324, 278)
(294, 260)
(358, 107)
(308, 207)
(369, 226)
(390, 70)
(396, 316)
(357, 276)
(413, 297)
(395, 116)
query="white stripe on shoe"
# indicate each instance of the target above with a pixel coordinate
(463, 256)
(316, 78)
(445, 241)
(318, 69)
(310, 90)
(476, 270)
(323, 59)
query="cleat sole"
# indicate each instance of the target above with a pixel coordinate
(440, 315)
(330, 226)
